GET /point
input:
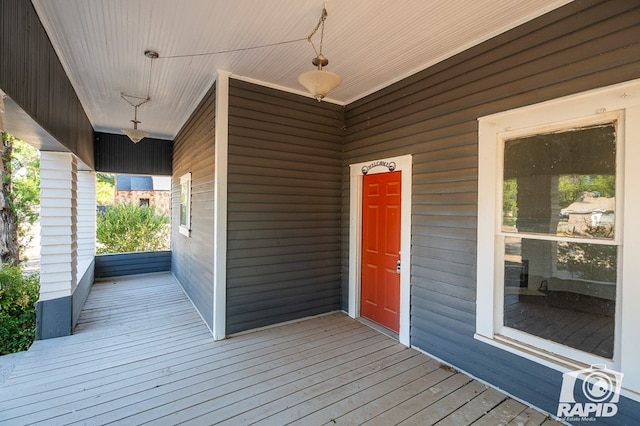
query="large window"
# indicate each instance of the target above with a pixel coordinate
(558, 236)
(559, 231)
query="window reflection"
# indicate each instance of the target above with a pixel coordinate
(562, 291)
(561, 183)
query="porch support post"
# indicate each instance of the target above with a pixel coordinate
(220, 207)
(59, 244)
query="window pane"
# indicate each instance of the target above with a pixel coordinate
(183, 215)
(184, 190)
(561, 183)
(562, 291)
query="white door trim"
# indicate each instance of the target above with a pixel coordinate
(403, 164)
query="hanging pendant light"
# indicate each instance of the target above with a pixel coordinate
(135, 134)
(319, 82)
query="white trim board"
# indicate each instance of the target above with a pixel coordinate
(220, 207)
(403, 164)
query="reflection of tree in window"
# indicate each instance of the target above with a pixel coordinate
(558, 191)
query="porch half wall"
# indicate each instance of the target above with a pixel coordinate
(433, 116)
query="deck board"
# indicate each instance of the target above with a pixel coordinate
(141, 355)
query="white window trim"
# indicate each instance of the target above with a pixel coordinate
(186, 229)
(623, 100)
(404, 164)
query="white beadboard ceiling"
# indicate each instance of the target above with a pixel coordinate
(369, 43)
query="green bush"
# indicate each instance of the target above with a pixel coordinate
(18, 294)
(125, 228)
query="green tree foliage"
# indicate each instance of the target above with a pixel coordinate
(127, 228)
(9, 246)
(21, 194)
(18, 293)
(105, 189)
(26, 188)
(571, 186)
(510, 201)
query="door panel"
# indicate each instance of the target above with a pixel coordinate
(380, 285)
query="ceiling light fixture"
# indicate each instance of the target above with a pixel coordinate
(319, 82)
(135, 134)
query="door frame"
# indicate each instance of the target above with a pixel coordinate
(356, 172)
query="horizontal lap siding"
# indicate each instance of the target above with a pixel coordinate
(433, 115)
(284, 200)
(121, 264)
(32, 75)
(192, 261)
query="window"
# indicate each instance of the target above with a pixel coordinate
(144, 202)
(185, 204)
(558, 234)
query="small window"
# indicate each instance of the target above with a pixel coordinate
(144, 202)
(185, 204)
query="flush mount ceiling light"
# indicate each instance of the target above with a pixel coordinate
(135, 134)
(319, 82)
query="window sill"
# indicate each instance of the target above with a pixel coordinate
(548, 359)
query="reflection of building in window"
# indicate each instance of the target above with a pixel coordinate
(144, 191)
(589, 210)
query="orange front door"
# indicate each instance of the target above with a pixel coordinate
(380, 286)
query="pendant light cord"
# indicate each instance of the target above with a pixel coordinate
(320, 25)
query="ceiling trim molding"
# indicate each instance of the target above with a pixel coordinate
(284, 89)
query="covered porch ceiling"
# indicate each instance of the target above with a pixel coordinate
(370, 44)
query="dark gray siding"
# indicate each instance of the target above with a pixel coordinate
(81, 293)
(432, 115)
(192, 257)
(32, 75)
(117, 154)
(120, 264)
(283, 259)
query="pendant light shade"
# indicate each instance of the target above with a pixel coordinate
(134, 134)
(319, 82)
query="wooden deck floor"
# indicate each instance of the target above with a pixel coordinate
(141, 354)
